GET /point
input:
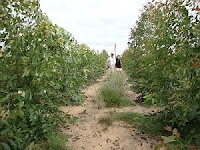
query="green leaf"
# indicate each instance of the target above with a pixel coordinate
(168, 139)
(21, 104)
(31, 146)
(158, 146)
(197, 140)
(6, 146)
(26, 73)
(20, 113)
(197, 69)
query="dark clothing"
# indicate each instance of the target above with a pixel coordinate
(118, 63)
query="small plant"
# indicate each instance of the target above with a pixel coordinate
(54, 142)
(113, 92)
(145, 123)
(108, 121)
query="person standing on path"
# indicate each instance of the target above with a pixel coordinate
(118, 64)
(111, 61)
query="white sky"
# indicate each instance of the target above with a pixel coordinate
(97, 23)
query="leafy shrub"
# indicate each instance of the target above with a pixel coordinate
(42, 66)
(163, 63)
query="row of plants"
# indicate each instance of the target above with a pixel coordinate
(42, 66)
(163, 62)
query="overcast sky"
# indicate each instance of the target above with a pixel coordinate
(97, 23)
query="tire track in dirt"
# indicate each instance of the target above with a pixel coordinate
(88, 134)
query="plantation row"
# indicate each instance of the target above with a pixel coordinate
(163, 62)
(42, 66)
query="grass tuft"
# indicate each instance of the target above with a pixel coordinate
(113, 92)
(108, 121)
(54, 142)
(145, 123)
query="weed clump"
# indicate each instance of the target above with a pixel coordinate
(55, 141)
(113, 92)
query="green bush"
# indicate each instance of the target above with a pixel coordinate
(163, 63)
(42, 66)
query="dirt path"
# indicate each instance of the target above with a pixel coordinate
(88, 134)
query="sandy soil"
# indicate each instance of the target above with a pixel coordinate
(88, 134)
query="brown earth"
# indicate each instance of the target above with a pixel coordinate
(89, 134)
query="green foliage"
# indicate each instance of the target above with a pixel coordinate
(42, 66)
(163, 61)
(113, 99)
(54, 142)
(113, 92)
